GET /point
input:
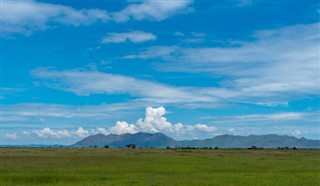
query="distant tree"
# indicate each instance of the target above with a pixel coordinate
(216, 148)
(294, 148)
(106, 146)
(253, 147)
(133, 146)
(95, 146)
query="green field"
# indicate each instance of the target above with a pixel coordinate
(39, 166)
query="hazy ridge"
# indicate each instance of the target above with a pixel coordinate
(159, 140)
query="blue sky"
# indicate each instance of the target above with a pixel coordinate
(189, 69)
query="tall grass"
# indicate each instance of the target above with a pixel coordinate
(36, 166)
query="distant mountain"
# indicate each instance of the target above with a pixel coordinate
(159, 140)
(35, 146)
(140, 139)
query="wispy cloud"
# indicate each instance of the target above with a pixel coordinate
(257, 119)
(87, 82)
(9, 91)
(133, 36)
(34, 112)
(152, 10)
(279, 64)
(25, 17)
(84, 82)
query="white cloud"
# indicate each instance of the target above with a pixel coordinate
(277, 92)
(296, 133)
(276, 116)
(81, 132)
(133, 36)
(178, 33)
(11, 136)
(154, 121)
(277, 65)
(84, 82)
(49, 133)
(37, 113)
(25, 17)
(152, 10)
(283, 122)
(255, 119)
(123, 127)
(59, 134)
(198, 34)
(204, 128)
(100, 130)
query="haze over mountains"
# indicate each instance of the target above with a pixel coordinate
(159, 140)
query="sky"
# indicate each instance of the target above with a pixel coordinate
(188, 69)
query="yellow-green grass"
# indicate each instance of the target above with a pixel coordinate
(40, 166)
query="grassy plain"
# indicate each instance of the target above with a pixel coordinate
(162, 167)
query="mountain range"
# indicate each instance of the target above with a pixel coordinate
(159, 140)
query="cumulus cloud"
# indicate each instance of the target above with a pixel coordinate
(50, 133)
(47, 133)
(11, 136)
(100, 130)
(133, 36)
(25, 17)
(153, 122)
(81, 132)
(152, 10)
(123, 127)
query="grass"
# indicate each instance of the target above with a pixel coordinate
(82, 167)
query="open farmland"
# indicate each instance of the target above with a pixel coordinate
(44, 166)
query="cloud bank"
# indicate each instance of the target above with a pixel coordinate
(153, 122)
